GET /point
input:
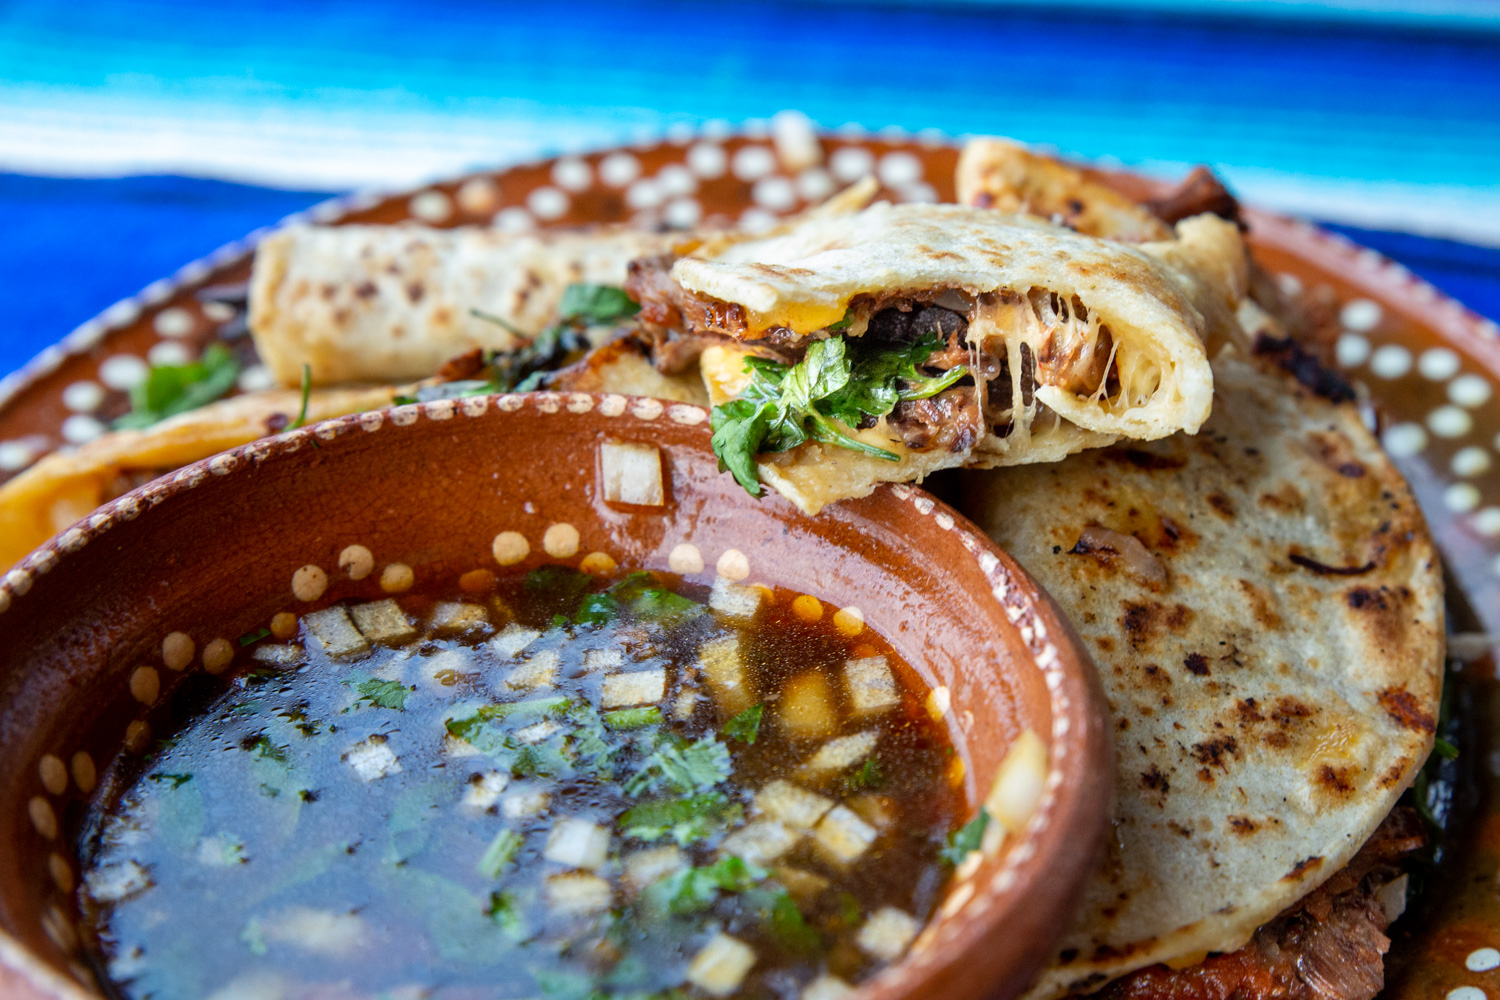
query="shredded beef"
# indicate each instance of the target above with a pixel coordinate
(1330, 946)
(948, 420)
(1199, 192)
(1306, 367)
(899, 325)
(665, 304)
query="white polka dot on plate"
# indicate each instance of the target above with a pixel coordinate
(256, 378)
(123, 371)
(1471, 461)
(81, 428)
(572, 174)
(430, 206)
(674, 179)
(707, 160)
(643, 194)
(775, 194)
(218, 312)
(1438, 364)
(1461, 497)
(173, 322)
(619, 169)
(15, 455)
(1391, 361)
(1466, 993)
(1482, 960)
(756, 220)
(920, 193)
(814, 184)
(1290, 284)
(899, 169)
(1405, 440)
(479, 196)
(83, 397)
(514, 220)
(547, 203)
(122, 313)
(169, 352)
(1450, 422)
(1487, 522)
(751, 163)
(1351, 350)
(1470, 390)
(682, 213)
(850, 163)
(1360, 314)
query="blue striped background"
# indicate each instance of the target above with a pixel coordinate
(1387, 122)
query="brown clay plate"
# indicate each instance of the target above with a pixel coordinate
(1431, 366)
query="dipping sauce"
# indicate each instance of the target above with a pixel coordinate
(569, 787)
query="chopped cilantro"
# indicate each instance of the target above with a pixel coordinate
(692, 890)
(839, 379)
(306, 395)
(502, 909)
(868, 776)
(168, 390)
(694, 768)
(251, 638)
(842, 324)
(263, 749)
(1444, 749)
(597, 609)
(658, 604)
(966, 839)
(633, 718)
(177, 780)
(384, 694)
(791, 928)
(501, 852)
(685, 820)
(745, 727)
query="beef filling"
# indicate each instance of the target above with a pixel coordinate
(1199, 192)
(1330, 946)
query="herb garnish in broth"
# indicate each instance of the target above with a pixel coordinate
(567, 787)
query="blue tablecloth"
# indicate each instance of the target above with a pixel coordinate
(1388, 121)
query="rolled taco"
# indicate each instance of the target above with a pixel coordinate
(392, 303)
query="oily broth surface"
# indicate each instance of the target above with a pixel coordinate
(248, 853)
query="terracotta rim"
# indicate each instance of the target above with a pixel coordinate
(1080, 753)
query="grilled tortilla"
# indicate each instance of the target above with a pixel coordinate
(1076, 341)
(63, 488)
(392, 303)
(1265, 607)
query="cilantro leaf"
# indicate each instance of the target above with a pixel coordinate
(686, 770)
(596, 303)
(251, 638)
(1444, 749)
(597, 609)
(692, 890)
(501, 852)
(791, 928)
(839, 381)
(506, 914)
(685, 820)
(177, 780)
(384, 694)
(745, 727)
(966, 839)
(633, 718)
(306, 396)
(168, 390)
(869, 775)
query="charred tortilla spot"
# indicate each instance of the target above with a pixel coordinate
(1394, 774)
(1242, 825)
(1144, 621)
(1260, 605)
(1302, 867)
(1153, 779)
(1351, 470)
(1196, 664)
(1222, 505)
(415, 291)
(1363, 597)
(1338, 780)
(1323, 569)
(1406, 711)
(365, 290)
(1179, 829)
(1217, 752)
(1287, 499)
(1148, 460)
(1305, 367)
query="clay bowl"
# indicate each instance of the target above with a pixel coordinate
(449, 487)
